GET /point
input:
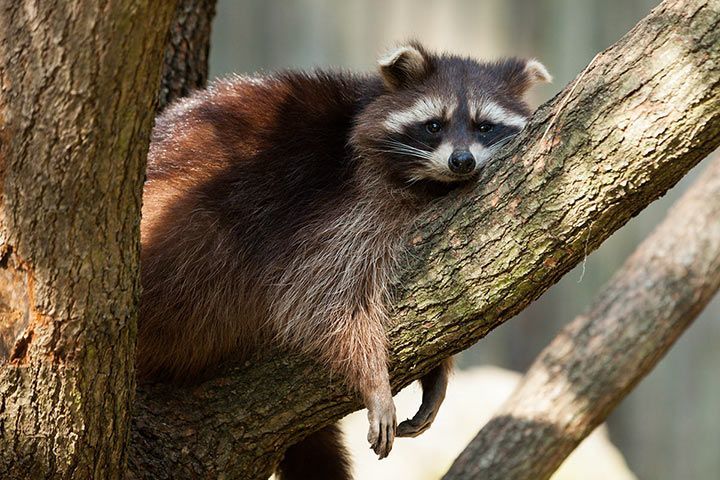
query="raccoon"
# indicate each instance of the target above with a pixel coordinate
(275, 209)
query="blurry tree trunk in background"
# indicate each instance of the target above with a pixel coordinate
(186, 55)
(598, 358)
(78, 82)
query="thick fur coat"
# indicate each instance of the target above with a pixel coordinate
(275, 210)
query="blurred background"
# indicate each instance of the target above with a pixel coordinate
(669, 427)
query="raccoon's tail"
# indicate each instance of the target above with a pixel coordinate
(321, 456)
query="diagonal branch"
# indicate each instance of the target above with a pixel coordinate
(642, 115)
(596, 360)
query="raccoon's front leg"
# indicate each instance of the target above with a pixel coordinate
(359, 351)
(381, 415)
(434, 386)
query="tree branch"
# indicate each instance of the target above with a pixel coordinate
(597, 359)
(628, 129)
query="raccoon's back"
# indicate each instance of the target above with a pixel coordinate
(234, 172)
(269, 147)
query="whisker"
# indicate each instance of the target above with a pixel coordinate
(424, 156)
(396, 142)
(503, 142)
(415, 139)
(403, 146)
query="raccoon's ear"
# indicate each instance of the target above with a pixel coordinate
(536, 72)
(404, 65)
(520, 74)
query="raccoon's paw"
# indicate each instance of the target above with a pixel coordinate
(422, 420)
(381, 415)
(434, 387)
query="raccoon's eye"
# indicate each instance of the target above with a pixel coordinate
(485, 127)
(433, 126)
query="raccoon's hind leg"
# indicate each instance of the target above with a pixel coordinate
(434, 386)
(321, 456)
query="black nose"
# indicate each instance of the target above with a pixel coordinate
(461, 162)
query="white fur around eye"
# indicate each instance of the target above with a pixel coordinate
(493, 112)
(425, 109)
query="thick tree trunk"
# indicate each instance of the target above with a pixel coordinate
(77, 88)
(186, 54)
(597, 359)
(632, 124)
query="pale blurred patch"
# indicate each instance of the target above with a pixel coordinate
(473, 396)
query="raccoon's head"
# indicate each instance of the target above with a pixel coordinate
(440, 118)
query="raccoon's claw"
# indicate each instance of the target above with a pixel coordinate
(381, 434)
(434, 386)
(413, 427)
(423, 418)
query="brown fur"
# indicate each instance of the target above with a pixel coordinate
(321, 456)
(271, 216)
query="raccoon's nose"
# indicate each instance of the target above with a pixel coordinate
(461, 162)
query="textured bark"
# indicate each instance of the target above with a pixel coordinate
(77, 90)
(186, 54)
(632, 124)
(597, 359)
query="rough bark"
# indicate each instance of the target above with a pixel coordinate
(630, 126)
(597, 359)
(186, 54)
(77, 90)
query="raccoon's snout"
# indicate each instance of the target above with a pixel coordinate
(461, 162)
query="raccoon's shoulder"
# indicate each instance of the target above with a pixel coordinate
(247, 114)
